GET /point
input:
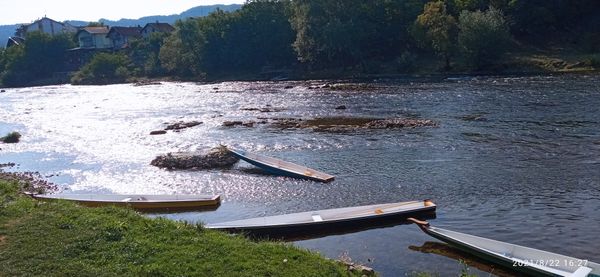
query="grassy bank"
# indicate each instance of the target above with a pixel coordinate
(63, 239)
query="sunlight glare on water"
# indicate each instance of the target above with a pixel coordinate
(514, 159)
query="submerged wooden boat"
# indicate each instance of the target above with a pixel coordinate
(300, 223)
(279, 167)
(528, 260)
(138, 201)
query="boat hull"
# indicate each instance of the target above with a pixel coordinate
(530, 261)
(313, 229)
(278, 170)
(206, 203)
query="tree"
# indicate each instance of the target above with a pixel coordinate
(257, 35)
(436, 29)
(145, 53)
(104, 68)
(332, 32)
(39, 57)
(483, 37)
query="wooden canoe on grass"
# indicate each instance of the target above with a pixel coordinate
(279, 167)
(290, 225)
(528, 260)
(138, 201)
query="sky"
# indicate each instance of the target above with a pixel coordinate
(27, 11)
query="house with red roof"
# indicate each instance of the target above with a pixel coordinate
(156, 27)
(121, 36)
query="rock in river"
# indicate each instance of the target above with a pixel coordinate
(182, 125)
(205, 159)
(158, 132)
(346, 124)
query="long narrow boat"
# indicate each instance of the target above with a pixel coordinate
(286, 225)
(138, 201)
(528, 260)
(279, 167)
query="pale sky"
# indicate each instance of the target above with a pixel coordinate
(27, 11)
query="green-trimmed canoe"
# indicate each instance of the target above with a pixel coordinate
(138, 201)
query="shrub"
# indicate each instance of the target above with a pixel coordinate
(104, 68)
(12, 137)
(483, 37)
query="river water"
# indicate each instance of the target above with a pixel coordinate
(514, 159)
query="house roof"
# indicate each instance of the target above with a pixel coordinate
(126, 31)
(43, 19)
(160, 27)
(94, 30)
(14, 41)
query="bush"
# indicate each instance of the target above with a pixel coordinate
(594, 61)
(12, 137)
(104, 68)
(483, 37)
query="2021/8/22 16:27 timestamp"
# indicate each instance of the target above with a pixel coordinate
(551, 262)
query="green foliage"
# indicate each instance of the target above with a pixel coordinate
(104, 68)
(341, 33)
(436, 29)
(594, 61)
(457, 6)
(61, 239)
(249, 39)
(483, 37)
(39, 57)
(145, 53)
(12, 137)
(95, 24)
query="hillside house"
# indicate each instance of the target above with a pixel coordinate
(47, 26)
(94, 38)
(156, 28)
(121, 36)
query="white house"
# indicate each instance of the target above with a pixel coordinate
(94, 38)
(47, 26)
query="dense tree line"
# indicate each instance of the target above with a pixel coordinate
(321, 34)
(39, 58)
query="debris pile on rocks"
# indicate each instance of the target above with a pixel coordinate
(357, 268)
(395, 123)
(176, 127)
(182, 125)
(217, 157)
(29, 182)
(267, 109)
(344, 124)
(250, 123)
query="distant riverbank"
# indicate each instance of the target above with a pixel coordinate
(514, 64)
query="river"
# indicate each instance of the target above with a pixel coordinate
(515, 159)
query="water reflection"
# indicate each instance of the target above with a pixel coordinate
(469, 260)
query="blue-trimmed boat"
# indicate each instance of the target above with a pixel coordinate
(279, 167)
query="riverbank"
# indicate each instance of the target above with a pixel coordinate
(523, 62)
(60, 238)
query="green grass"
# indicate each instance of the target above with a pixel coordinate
(63, 239)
